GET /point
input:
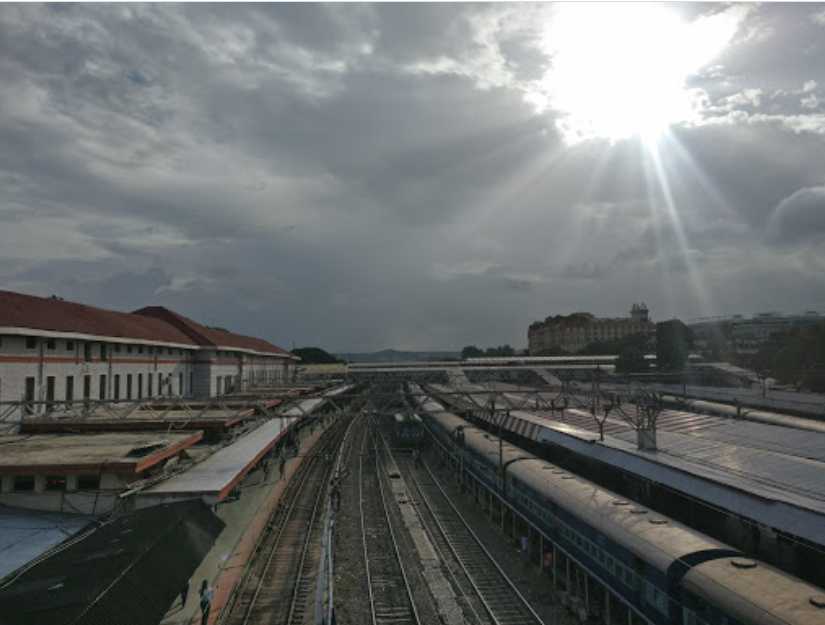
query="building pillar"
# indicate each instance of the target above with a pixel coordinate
(541, 552)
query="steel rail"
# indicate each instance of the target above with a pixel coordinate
(457, 583)
(413, 616)
(286, 518)
(494, 611)
(308, 539)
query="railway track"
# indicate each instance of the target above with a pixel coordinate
(390, 596)
(491, 595)
(278, 585)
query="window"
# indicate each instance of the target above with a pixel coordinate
(29, 395)
(103, 351)
(102, 390)
(87, 352)
(116, 395)
(31, 342)
(23, 483)
(51, 344)
(88, 482)
(160, 384)
(117, 348)
(69, 346)
(180, 384)
(55, 482)
(87, 387)
(151, 350)
(129, 386)
(140, 386)
(69, 388)
(50, 388)
(128, 349)
(149, 380)
(140, 349)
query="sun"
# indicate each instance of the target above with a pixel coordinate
(617, 70)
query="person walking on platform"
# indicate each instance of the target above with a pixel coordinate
(281, 468)
(206, 601)
(184, 592)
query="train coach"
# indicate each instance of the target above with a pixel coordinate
(408, 431)
(663, 571)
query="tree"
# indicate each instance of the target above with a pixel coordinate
(471, 351)
(315, 356)
(552, 351)
(500, 351)
(796, 357)
(642, 414)
(631, 351)
(673, 342)
(631, 360)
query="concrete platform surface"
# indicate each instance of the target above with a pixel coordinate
(216, 476)
(120, 452)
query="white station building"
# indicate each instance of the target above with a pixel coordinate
(54, 351)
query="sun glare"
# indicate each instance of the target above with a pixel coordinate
(618, 70)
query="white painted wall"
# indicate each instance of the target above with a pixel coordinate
(155, 370)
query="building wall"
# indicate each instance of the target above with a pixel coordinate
(114, 370)
(71, 499)
(125, 371)
(218, 372)
(746, 335)
(573, 338)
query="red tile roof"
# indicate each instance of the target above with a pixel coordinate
(211, 337)
(45, 313)
(153, 323)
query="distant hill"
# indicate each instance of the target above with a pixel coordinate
(393, 355)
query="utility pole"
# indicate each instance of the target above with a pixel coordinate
(501, 450)
(594, 390)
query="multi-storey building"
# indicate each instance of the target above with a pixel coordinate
(744, 335)
(52, 350)
(572, 333)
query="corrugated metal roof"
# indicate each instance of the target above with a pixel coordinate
(740, 433)
(26, 534)
(216, 475)
(778, 490)
(127, 571)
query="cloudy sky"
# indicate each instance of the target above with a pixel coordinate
(414, 176)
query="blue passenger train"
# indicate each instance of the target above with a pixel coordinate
(664, 571)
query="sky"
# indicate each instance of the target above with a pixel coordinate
(428, 176)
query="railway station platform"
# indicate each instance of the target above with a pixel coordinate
(210, 420)
(246, 519)
(768, 474)
(215, 477)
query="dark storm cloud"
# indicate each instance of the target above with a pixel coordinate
(366, 176)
